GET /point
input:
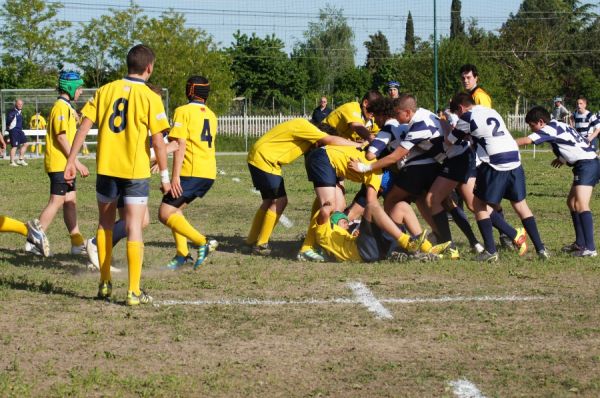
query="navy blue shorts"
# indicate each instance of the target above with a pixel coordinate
(586, 172)
(459, 168)
(17, 138)
(491, 185)
(134, 191)
(319, 169)
(417, 179)
(58, 185)
(193, 187)
(271, 186)
(371, 243)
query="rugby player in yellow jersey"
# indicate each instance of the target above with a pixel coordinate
(325, 167)
(125, 111)
(470, 78)
(370, 244)
(37, 122)
(279, 146)
(352, 120)
(59, 136)
(194, 169)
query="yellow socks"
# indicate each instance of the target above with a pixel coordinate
(179, 224)
(426, 246)
(311, 239)
(403, 241)
(256, 226)
(181, 244)
(135, 253)
(104, 244)
(76, 239)
(8, 224)
(266, 230)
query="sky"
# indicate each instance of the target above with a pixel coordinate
(288, 20)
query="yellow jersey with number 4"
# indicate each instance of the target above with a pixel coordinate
(124, 111)
(63, 120)
(197, 124)
(283, 144)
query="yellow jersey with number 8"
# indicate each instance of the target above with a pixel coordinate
(125, 111)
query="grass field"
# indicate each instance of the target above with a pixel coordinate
(249, 326)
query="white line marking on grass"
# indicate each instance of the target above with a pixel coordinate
(259, 302)
(351, 301)
(235, 179)
(448, 299)
(463, 388)
(366, 298)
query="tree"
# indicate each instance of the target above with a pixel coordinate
(100, 46)
(263, 71)
(31, 42)
(196, 54)
(409, 38)
(378, 50)
(328, 49)
(457, 27)
(352, 83)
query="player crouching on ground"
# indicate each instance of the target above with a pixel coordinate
(572, 149)
(60, 134)
(371, 244)
(194, 169)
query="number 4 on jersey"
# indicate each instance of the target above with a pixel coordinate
(205, 135)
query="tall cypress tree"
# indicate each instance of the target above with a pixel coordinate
(457, 26)
(409, 39)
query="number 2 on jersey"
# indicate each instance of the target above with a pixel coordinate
(496, 124)
(205, 135)
(119, 111)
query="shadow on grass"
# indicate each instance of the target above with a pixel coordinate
(62, 261)
(46, 286)
(237, 244)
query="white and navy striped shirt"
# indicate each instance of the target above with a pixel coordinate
(496, 146)
(567, 144)
(388, 138)
(585, 123)
(424, 139)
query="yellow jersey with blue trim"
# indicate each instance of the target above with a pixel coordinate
(336, 241)
(283, 144)
(481, 97)
(343, 116)
(125, 111)
(340, 156)
(63, 120)
(197, 125)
